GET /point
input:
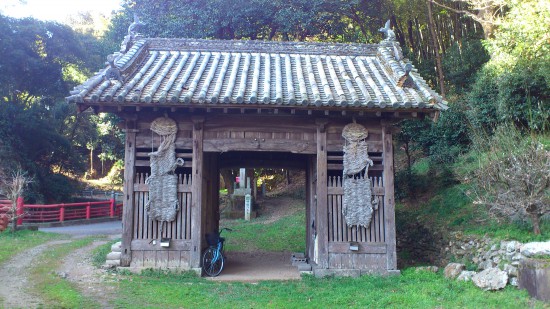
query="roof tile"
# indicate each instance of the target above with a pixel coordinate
(193, 72)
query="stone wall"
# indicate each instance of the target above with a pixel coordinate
(478, 253)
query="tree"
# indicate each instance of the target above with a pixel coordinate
(514, 85)
(13, 189)
(485, 12)
(41, 62)
(514, 176)
(238, 19)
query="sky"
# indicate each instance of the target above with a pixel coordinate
(55, 10)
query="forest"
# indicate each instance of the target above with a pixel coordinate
(490, 60)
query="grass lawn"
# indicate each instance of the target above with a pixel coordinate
(286, 234)
(410, 290)
(13, 243)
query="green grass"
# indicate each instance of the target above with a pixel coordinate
(410, 290)
(285, 234)
(452, 210)
(16, 242)
(58, 292)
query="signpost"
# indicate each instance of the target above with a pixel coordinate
(247, 206)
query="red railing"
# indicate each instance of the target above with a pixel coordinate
(36, 213)
(5, 206)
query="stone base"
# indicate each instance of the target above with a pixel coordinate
(321, 273)
(534, 276)
(138, 270)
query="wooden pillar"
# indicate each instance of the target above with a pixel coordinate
(310, 205)
(128, 200)
(197, 229)
(19, 210)
(215, 190)
(321, 215)
(389, 200)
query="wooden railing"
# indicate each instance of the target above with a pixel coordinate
(5, 206)
(38, 213)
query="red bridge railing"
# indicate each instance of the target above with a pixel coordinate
(37, 213)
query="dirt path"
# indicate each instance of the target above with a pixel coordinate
(90, 281)
(14, 278)
(258, 266)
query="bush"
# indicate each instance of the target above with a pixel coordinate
(513, 178)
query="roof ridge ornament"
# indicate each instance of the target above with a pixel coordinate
(406, 81)
(389, 35)
(132, 35)
(113, 71)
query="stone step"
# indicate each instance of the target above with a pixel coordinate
(304, 267)
(114, 256)
(116, 247)
(112, 263)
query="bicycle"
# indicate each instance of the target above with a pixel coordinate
(213, 258)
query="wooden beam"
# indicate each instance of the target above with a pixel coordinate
(128, 199)
(369, 248)
(389, 200)
(322, 208)
(196, 195)
(243, 144)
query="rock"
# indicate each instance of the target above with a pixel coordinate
(513, 281)
(536, 248)
(491, 279)
(453, 270)
(114, 256)
(116, 247)
(466, 275)
(62, 275)
(496, 259)
(503, 244)
(511, 270)
(112, 263)
(432, 269)
(513, 246)
(517, 257)
(486, 265)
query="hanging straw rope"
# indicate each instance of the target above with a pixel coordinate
(163, 202)
(357, 206)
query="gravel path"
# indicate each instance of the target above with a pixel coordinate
(90, 281)
(14, 278)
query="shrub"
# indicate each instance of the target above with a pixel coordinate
(513, 178)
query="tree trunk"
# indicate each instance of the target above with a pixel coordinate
(361, 24)
(412, 44)
(14, 216)
(435, 43)
(229, 180)
(408, 154)
(535, 220)
(91, 161)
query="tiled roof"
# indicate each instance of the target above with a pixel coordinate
(265, 74)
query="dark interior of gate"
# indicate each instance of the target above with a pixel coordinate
(211, 142)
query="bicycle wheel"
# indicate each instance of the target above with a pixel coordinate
(212, 262)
